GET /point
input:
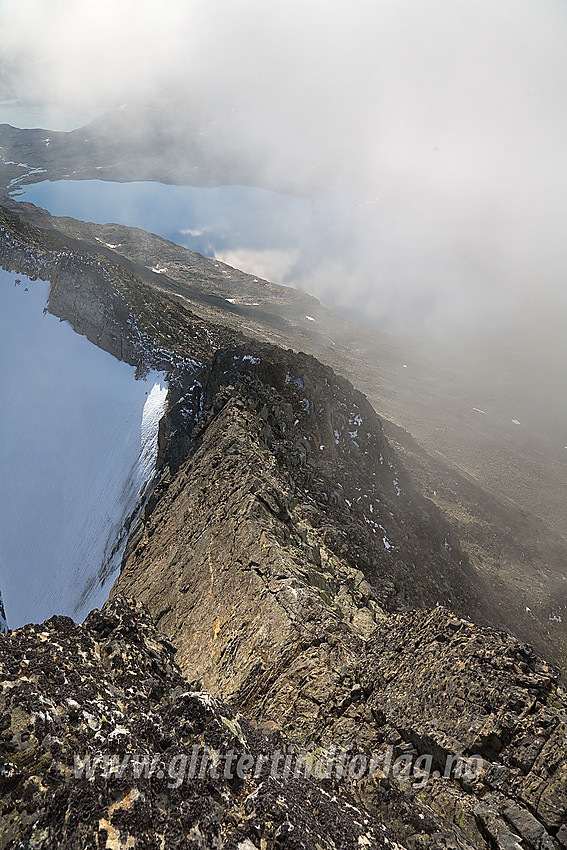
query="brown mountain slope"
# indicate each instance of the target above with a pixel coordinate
(502, 487)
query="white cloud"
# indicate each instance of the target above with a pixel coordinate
(451, 116)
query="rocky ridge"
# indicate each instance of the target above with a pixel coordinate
(151, 329)
(279, 602)
(282, 551)
(513, 531)
(280, 496)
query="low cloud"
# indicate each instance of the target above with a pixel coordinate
(444, 121)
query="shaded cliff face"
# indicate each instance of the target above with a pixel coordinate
(107, 303)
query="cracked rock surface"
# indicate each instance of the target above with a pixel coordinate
(111, 687)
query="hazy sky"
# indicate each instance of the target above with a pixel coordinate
(447, 117)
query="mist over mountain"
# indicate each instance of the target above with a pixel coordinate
(444, 125)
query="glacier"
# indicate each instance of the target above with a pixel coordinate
(78, 443)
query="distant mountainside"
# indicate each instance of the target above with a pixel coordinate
(140, 142)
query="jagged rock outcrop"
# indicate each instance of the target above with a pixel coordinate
(97, 729)
(104, 743)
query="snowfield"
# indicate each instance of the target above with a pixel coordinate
(78, 442)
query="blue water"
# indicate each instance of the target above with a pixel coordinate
(207, 220)
(260, 231)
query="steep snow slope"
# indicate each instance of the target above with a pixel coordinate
(78, 440)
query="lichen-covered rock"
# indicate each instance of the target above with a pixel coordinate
(96, 722)
(104, 743)
(490, 715)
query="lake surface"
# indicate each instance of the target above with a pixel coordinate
(265, 233)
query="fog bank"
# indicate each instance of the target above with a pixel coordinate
(444, 124)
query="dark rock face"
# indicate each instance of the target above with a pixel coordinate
(3, 621)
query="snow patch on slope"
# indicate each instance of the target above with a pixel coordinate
(151, 414)
(3, 621)
(78, 442)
